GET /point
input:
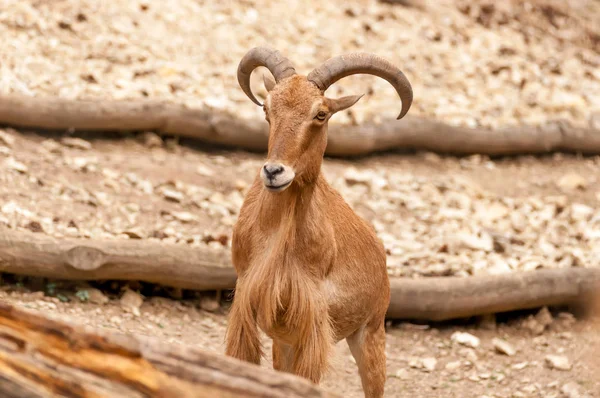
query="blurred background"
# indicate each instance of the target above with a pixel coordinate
(477, 64)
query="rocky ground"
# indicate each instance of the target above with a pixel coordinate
(471, 63)
(436, 215)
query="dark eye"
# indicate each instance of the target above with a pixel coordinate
(321, 115)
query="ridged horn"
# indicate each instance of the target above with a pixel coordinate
(341, 66)
(280, 67)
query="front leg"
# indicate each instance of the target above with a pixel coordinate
(242, 337)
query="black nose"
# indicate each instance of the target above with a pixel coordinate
(271, 170)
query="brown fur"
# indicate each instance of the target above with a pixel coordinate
(310, 271)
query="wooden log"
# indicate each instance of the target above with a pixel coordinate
(223, 128)
(41, 357)
(432, 299)
(181, 266)
(443, 298)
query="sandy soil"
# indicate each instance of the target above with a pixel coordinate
(197, 320)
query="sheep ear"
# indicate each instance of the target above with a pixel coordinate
(269, 81)
(339, 104)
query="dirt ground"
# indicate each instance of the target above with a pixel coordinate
(472, 63)
(457, 370)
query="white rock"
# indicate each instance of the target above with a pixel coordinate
(581, 212)
(172, 195)
(544, 317)
(354, 176)
(503, 347)
(520, 365)
(466, 339)
(402, 374)
(15, 165)
(452, 366)
(204, 171)
(6, 139)
(77, 143)
(429, 364)
(135, 233)
(571, 390)
(95, 296)
(474, 242)
(151, 139)
(493, 212)
(572, 181)
(132, 301)
(184, 216)
(558, 362)
(51, 146)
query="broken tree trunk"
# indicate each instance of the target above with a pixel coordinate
(200, 268)
(219, 127)
(41, 357)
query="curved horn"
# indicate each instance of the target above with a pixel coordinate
(272, 59)
(341, 66)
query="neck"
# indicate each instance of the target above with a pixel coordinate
(290, 206)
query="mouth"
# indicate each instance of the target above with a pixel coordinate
(278, 188)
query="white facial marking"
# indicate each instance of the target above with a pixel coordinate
(277, 176)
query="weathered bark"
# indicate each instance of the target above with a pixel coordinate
(180, 266)
(442, 298)
(218, 127)
(41, 357)
(432, 299)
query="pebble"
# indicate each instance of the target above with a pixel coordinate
(134, 233)
(95, 296)
(131, 301)
(77, 143)
(572, 390)
(151, 139)
(172, 195)
(204, 171)
(184, 216)
(452, 366)
(7, 139)
(503, 347)
(429, 364)
(15, 165)
(466, 339)
(558, 362)
(544, 317)
(402, 374)
(209, 304)
(520, 365)
(572, 181)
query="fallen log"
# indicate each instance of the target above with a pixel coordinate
(443, 298)
(181, 266)
(198, 268)
(223, 128)
(41, 357)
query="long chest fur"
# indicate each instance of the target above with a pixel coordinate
(285, 277)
